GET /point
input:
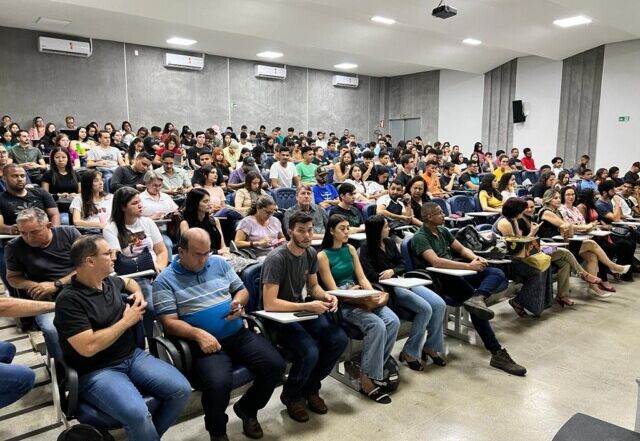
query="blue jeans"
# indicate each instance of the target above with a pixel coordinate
(380, 329)
(487, 282)
(429, 309)
(115, 391)
(15, 380)
(316, 346)
(45, 322)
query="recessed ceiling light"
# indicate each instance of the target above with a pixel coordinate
(572, 21)
(471, 41)
(52, 22)
(270, 54)
(383, 20)
(181, 41)
(345, 66)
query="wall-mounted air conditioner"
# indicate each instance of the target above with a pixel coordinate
(61, 46)
(262, 71)
(178, 61)
(342, 81)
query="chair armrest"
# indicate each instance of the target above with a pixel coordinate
(419, 274)
(171, 350)
(255, 324)
(69, 388)
(184, 350)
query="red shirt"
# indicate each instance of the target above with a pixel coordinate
(528, 163)
(175, 151)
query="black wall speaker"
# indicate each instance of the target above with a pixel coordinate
(518, 114)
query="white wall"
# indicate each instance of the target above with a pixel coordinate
(460, 109)
(538, 82)
(619, 142)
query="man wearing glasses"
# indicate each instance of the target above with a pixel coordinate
(175, 180)
(200, 298)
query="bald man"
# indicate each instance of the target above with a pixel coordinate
(200, 298)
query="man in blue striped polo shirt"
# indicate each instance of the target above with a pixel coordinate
(200, 298)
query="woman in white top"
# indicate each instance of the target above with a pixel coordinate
(129, 233)
(208, 179)
(92, 208)
(378, 188)
(155, 203)
(507, 186)
(355, 178)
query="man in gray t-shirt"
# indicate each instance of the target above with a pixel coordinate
(317, 343)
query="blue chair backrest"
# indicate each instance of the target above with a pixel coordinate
(405, 250)
(250, 276)
(476, 203)
(462, 204)
(330, 176)
(230, 199)
(484, 227)
(522, 192)
(107, 185)
(443, 204)
(369, 210)
(285, 197)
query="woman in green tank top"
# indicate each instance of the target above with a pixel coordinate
(339, 266)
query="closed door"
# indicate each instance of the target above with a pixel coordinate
(403, 129)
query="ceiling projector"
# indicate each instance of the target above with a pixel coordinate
(444, 11)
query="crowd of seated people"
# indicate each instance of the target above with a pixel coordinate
(80, 202)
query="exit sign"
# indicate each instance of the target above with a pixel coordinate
(623, 118)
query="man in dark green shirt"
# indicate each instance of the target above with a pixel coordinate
(434, 245)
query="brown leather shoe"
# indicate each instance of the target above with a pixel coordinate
(250, 426)
(295, 409)
(316, 404)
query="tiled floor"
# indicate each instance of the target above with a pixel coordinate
(580, 359)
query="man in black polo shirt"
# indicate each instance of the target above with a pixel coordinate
(131, 175)
(38, 263)
(318, 343)
(95, 325)
(17, 198)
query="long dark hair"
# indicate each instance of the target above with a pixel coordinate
(544, 177)
(248, 179)
(55, 174)
(327, 240)
(86, 192)
(201, 178)
(373, 227)
(343, 165)
(194, 197)
(564, 190)
(121, 198)
(587, 197)
(131, 151)
(486, 184)
(503, 183)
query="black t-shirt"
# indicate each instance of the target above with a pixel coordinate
(352, 214)
(43, 264)
(80, 308)
(194, 153)
(404, 178)
(631, 176)
(63, 183)
(149, 144)
(537, 191)
(11, 205)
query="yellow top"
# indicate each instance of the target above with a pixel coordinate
(489, 201)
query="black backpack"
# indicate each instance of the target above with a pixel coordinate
(488, 248)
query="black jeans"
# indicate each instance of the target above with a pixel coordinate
(215, 372)
(316, 345)
(456, 290)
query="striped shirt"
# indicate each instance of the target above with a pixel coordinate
(201, 298)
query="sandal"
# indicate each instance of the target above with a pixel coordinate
(564, 301)
(590, 278)
(414, 365)
(377, 396)
(437, 360)
(607, 286)
(518, 308)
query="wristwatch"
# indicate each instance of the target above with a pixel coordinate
(58, 284)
